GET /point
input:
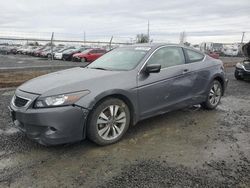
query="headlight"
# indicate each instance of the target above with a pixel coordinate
(60, 100)
(240, 65)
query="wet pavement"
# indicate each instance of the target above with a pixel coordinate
(191, 147)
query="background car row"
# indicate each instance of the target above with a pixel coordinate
(59, 52)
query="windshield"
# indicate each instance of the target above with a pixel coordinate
(120, 59)
(217, 45)
(80, 49)
(68, 50)
(64, 49)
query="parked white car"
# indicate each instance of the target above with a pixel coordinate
(230, 50)
(58, 55)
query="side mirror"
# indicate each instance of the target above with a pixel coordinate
(153, 68)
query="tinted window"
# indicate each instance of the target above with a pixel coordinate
(91, 51)
(86, 51)
(194, 56)
(167, 57)
(102, 51)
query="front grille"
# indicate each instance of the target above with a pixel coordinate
(247, 67)
(20, 102)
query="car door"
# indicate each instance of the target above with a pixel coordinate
(100, 53)
(91, 55)
(97, 54)
(168, 89)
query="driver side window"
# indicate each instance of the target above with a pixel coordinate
(167, 57)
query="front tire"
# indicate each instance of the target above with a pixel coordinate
(108, 122)
(237, 76)
(214, 95)
(83, 60)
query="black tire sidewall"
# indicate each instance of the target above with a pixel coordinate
(237, 76)
(92, 131)
(207, 104)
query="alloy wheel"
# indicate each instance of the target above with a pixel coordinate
(111, 122)
(215, 94)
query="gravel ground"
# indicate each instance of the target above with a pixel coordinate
(191, 147)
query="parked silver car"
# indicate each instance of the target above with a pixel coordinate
(119, 89)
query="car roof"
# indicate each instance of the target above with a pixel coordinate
(157, 45)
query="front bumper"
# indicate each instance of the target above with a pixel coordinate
(243, 73)
(59, 57)
(51, 126)
(76, 58)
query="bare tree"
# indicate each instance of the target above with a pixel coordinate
(142, 38)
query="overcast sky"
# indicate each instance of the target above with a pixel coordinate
(218, 21)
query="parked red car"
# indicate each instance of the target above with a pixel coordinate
(214, 55)
(89, 55)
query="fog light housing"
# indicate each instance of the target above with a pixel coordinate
(50, 131)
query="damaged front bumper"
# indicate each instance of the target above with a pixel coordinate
(51, 126)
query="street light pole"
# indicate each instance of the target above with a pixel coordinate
(51, 46)
(148, 33)
(242, 38)
(84, 38)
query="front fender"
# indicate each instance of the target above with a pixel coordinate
(129, 96)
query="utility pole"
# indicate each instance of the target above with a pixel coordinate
(110, 43)
(51, 45)
(242, 38)
(84, 38)
(148, 33)
(182, 37)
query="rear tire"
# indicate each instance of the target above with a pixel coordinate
(108, 121)
(213, 96)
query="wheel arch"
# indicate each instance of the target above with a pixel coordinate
(127, 100)
(220, 78)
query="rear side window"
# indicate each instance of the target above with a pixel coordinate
(102, 51)
(167, 57)
(194, 56)
(93, 51)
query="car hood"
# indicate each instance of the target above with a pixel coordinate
(246, 50)
(66, 81)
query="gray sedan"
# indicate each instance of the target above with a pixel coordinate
(119, 89)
